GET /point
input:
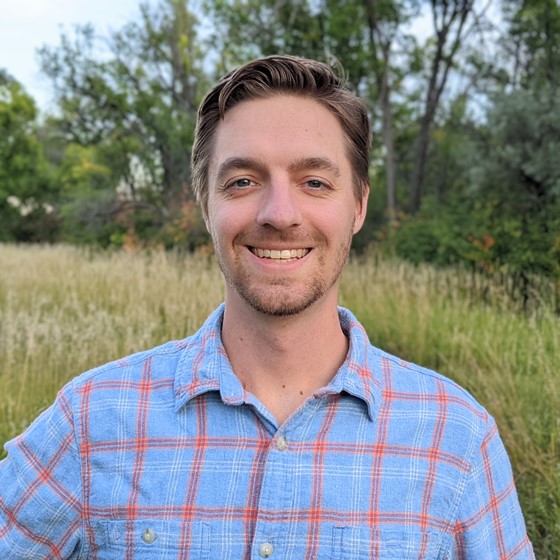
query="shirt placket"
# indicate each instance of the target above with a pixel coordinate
(271, 536)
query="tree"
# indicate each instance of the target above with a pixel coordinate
(134, 96)
(87, 203)
(326, 30)
(518, 170)
(533, 42)
(362, 35)
(25, 186)
(449, 18)
(385, 19)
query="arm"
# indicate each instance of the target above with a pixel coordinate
(40, 489)
(490, 524)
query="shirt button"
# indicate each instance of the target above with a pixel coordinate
(149, 536)
(281, 443)
(266, 550)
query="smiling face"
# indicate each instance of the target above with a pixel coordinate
(281, 206)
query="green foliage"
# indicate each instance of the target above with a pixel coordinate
(443, 235)
(518, 172)
(133, 98)
(524, 140)
(495, 189)
(325, 30)
(534, 32)
(88, 204)
(477, 234)
(25, 185)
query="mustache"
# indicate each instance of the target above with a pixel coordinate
(286, 237)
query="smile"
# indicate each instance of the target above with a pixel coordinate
(279, 254)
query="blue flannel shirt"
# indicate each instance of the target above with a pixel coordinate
(164, 455)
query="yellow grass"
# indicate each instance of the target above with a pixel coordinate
(64, 310)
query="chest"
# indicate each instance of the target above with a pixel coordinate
(313, 489)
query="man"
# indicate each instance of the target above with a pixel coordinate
(276, 431)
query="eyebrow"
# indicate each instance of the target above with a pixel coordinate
(312, 163)
(319, 163)
(234, 163)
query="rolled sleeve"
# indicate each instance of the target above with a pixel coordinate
(40, 489)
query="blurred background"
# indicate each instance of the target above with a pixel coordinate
(103, 251)
(98, 101)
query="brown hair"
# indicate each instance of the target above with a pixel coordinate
(275, 75)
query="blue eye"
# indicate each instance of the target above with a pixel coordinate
(315, 184)
(242, 183)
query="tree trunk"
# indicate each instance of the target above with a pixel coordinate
(443, 20)
(389, 143)
(382, 81)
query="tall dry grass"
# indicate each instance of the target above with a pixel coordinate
(508, 360)
(64, 310)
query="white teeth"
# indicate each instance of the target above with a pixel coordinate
(284, 254)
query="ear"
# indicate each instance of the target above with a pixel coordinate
(361, 209)
(205, 217)
(206, 222)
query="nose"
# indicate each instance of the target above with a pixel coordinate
(279, 205)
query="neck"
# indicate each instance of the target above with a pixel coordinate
(283, 360)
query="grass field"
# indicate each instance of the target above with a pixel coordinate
(65, 310)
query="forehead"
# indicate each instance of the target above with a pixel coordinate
(279, 128)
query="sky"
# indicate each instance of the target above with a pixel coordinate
(27, 25)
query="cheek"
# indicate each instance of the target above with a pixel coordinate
(223, 224)
(337, 223)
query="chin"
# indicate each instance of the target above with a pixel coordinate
(279, 310)
(282, 304)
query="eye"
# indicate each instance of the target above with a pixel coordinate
(241, 183)
(315, 184)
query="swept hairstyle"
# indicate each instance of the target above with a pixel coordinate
(277, 75)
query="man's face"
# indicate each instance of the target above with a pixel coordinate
(281, 205)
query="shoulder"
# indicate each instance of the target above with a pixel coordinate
(419, 386)
(155, 375)
(421, 382)
(405, 385)
(161, 361)
(432, 404)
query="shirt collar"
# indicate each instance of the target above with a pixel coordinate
(204, 366)
(358, 375)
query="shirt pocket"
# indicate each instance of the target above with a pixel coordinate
(356, 543)
(151, 538)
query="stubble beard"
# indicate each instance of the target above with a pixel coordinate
(277, 297)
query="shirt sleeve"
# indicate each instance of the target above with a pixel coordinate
(490, 523)
(40, 489)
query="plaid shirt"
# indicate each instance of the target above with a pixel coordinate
(164, 455)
